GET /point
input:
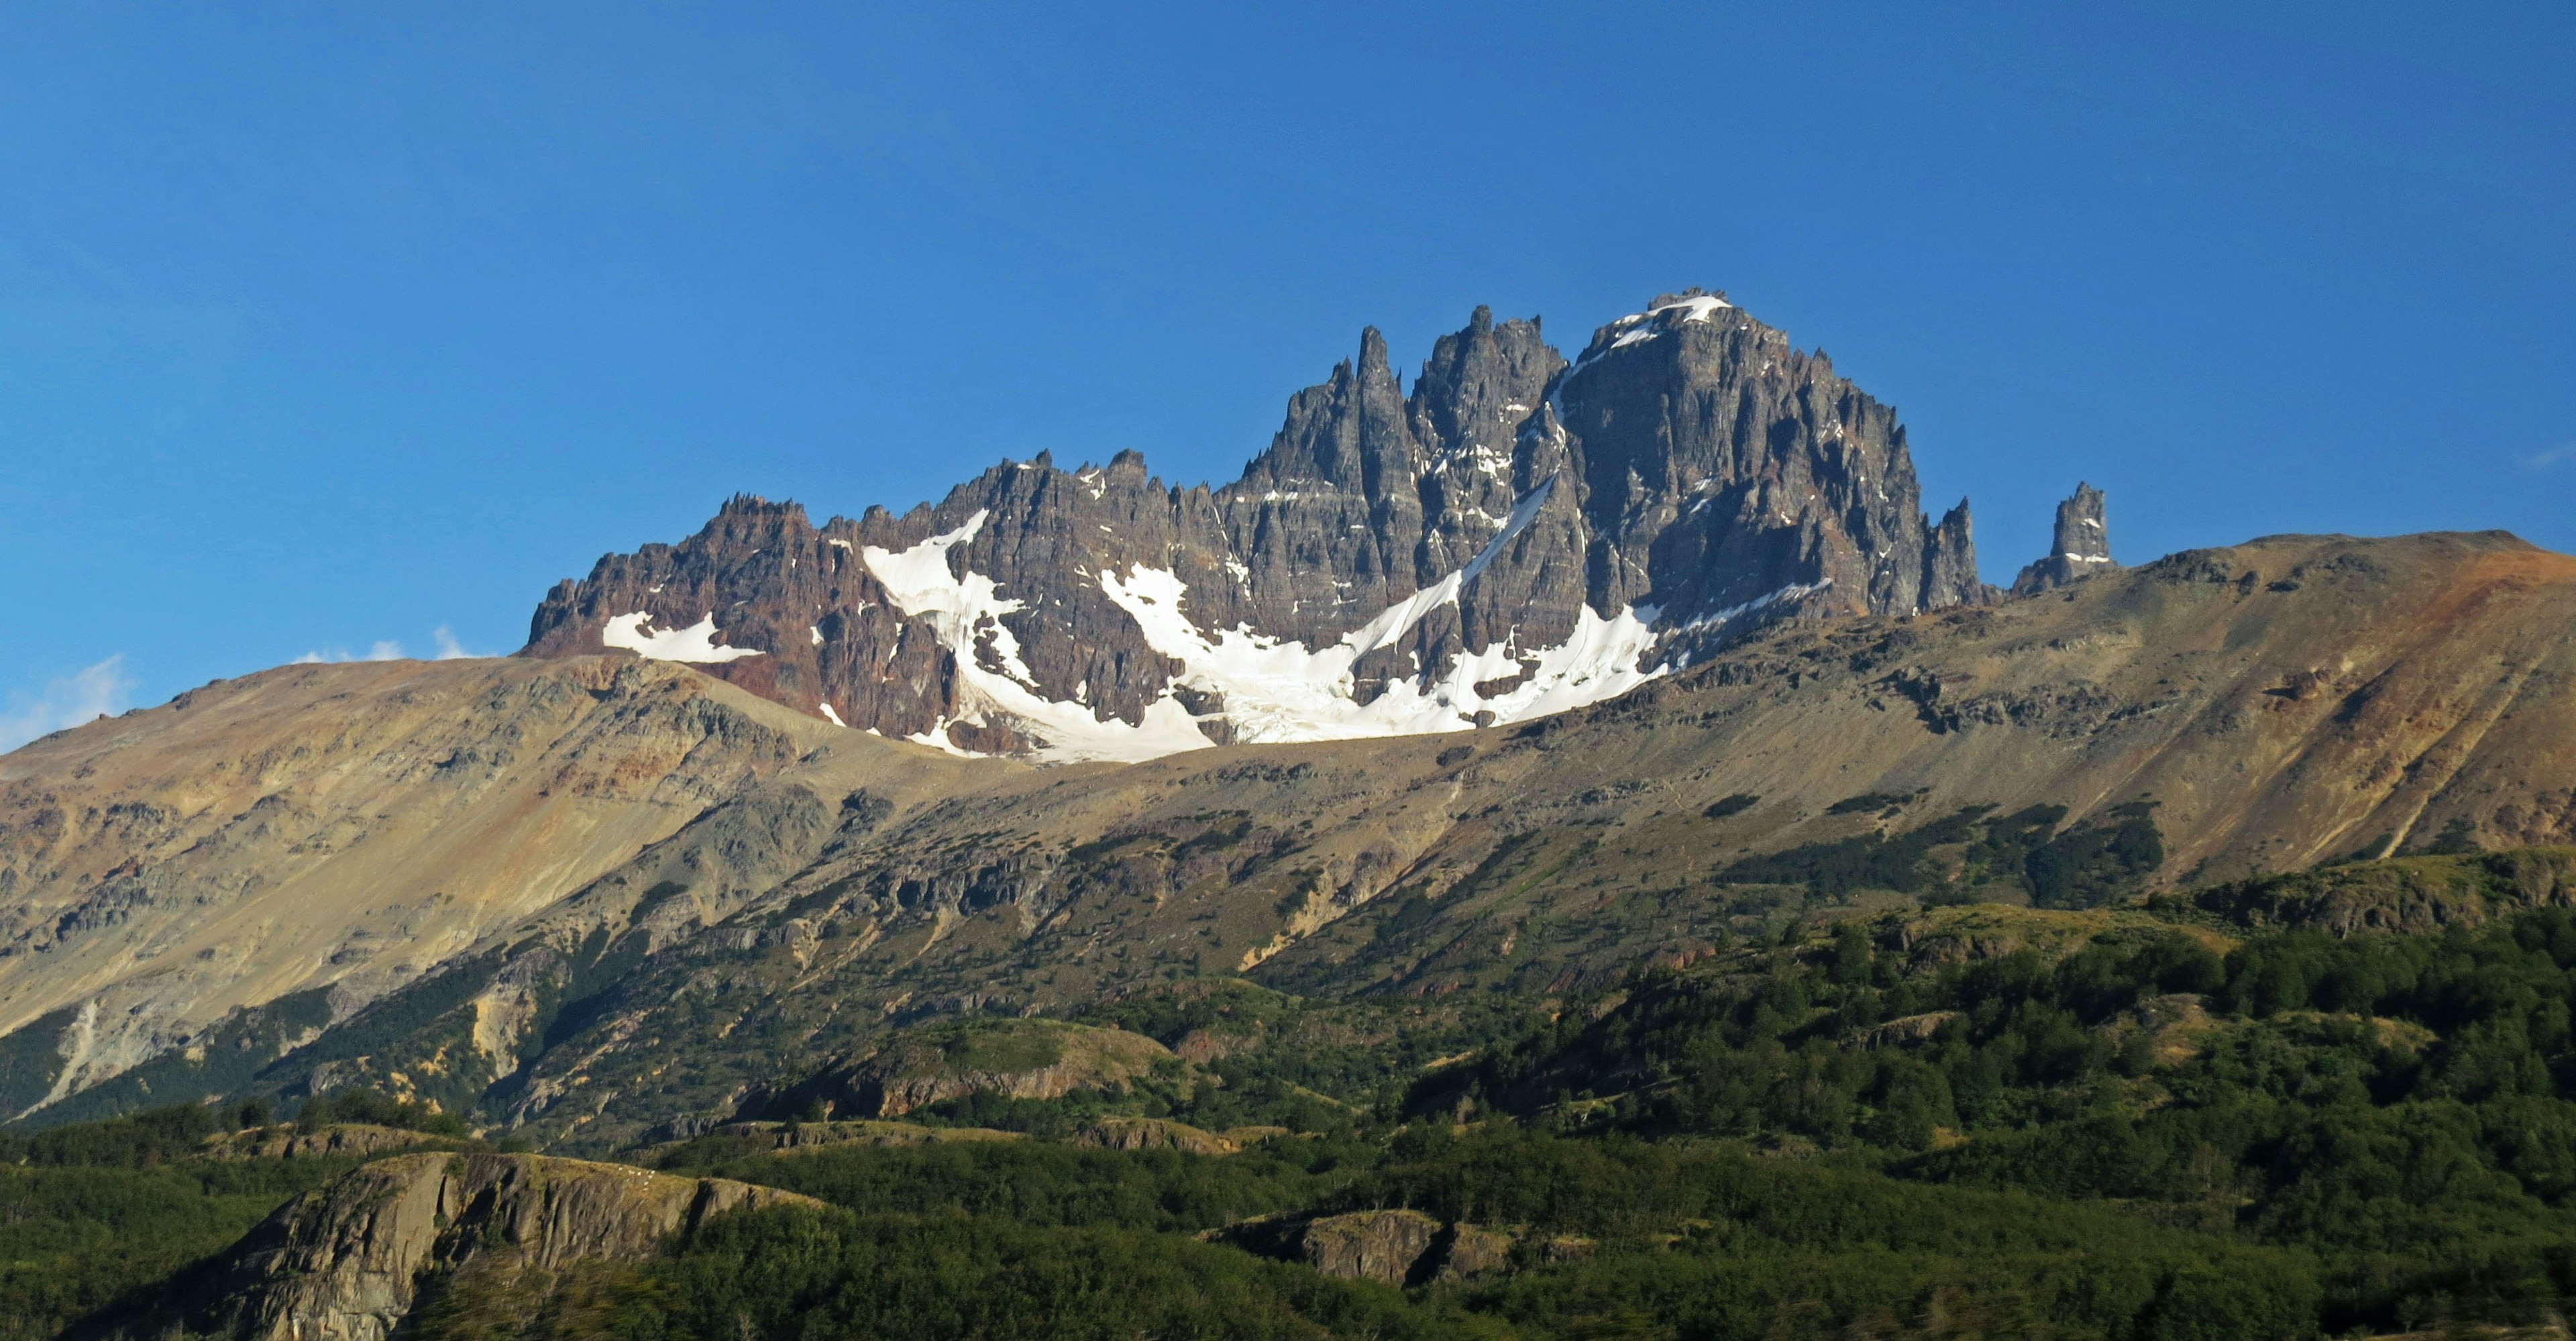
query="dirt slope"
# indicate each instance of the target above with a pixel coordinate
(335, 832)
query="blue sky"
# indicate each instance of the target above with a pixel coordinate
(325, 328)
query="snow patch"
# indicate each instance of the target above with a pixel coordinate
(1791, 592)
(964, 611)
(1277, 689)
(696, 643)
(836, 717)
(1639, 327)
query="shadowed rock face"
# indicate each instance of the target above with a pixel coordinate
(2082, 547)
(344, 1263)
(1391, 1247)
(1514, 536)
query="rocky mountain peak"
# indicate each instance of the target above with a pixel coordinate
(1516, 536)
(2082, 546)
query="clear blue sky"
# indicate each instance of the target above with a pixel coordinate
(326, 326)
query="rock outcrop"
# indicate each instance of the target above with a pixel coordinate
(2416, 896)
(1515, 536)
(291, 1141)
(1017, 1059)
(1391, 1247)
(346, 1262)
(2081, 549)
(1154, 1134)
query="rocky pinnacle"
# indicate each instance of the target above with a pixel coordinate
(2083, 545)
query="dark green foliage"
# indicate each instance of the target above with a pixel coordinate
(1736, 804)
(2096, 862)
(2420, 894)
(1708, 1240)
(2087, 864)
(1042, 1183)
(74, 1240)
(439, 1004)
(1868, 802)
(1699, 1239)
(31, 1056)
(1308, 1065)
(226, 1062)
(1804, 1137)
(1867, 861)
(92, 1213)
(136, 1140)
(807, 1274)
(2405, 1107)
(377, 1109)
(2458, 838)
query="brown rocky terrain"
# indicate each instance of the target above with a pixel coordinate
(1019, 1059)
(2270, 706)
(240, 867)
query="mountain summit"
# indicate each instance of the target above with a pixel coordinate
(1515, 536)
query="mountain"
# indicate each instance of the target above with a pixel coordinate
(2212, 715)
(1516, 536)
(547, 890)
(1284, 887)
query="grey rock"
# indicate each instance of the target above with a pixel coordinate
(2081, 549)
(1690, 466)
(345, 1262)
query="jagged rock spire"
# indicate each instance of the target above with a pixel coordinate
(2083, 545)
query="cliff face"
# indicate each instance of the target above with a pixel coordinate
(2080, 548)
(1515, 536)
(346, 1263)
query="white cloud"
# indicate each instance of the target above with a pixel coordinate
(95, 691)
(442, 640)
(383, 650)
(2565, 451)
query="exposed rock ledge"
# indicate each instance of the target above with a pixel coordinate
(344, 1262)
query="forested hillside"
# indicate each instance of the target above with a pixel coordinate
(2170, 1118)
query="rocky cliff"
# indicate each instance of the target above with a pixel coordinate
(348, 1262)
(1513, 536)
(2080, 548)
